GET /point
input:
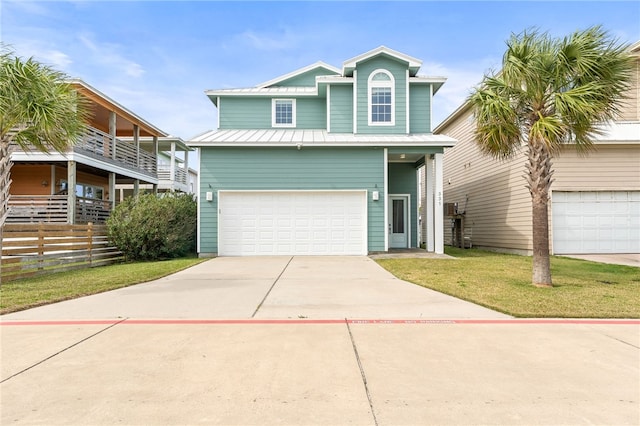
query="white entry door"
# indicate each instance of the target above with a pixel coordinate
(398, 221)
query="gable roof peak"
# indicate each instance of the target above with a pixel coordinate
(318, 64)
(350, 64)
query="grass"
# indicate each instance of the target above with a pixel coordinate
(502, 282)
(30, 292)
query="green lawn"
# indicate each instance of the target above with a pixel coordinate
(29, 292)
(503, 282)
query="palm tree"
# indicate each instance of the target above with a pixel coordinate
(38, 110)
(550, 92)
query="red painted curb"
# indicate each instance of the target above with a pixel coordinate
(321, 321)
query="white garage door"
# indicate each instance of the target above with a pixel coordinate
(596, 222)
(292, 223)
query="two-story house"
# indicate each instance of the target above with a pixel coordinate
(79, 185)
(595, 199)
(323, 161)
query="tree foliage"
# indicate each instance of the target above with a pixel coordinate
(550, 92)
(39, 110)
(150, 227)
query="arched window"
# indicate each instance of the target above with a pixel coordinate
(381, 98)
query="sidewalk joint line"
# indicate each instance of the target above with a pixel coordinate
(64, 350)
(271, 288)
(364, 377)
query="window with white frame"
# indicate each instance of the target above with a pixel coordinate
(381, 98)
(283, 113)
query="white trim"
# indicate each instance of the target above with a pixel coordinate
(328, 108)
(391, 84)
(431, 108)
(438, 206)
(300, 71)
(355, 102)
(353, 62)
(407, 217)
(273, 113)
(363, 192)
(218, 115)
(429, 209)
(407, 109)
(386, 198)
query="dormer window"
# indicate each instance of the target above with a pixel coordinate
(283, 113)
(381, 98)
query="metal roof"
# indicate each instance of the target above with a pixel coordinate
(293, 137)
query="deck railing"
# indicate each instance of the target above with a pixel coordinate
(54, 209)
(164, 174)
(100, 145)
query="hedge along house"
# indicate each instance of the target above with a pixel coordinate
(323, 161)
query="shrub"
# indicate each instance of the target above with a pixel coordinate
(150, 227)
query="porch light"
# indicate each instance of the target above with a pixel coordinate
(45, 183)
(402, 156)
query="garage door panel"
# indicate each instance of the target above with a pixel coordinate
(596, 222)
(292, 222)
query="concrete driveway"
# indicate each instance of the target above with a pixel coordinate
(314, 341)
(326, 287)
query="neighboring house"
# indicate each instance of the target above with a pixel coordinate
(322, 161)
(595, 199)
(78, 186)
(174, 174)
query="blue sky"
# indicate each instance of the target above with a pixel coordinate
(158, 57)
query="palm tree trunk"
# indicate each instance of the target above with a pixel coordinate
(539, 184)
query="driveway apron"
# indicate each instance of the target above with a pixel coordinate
(326, 287)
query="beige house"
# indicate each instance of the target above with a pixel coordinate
(595, 199)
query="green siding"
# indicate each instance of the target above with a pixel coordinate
(341, 100)
(403, 180)
(245, 113)
(420, 108)
(311, 113)
(399, 71)
(307, 79)
(288, 168)
(255, 113)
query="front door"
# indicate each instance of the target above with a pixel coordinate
(398, 221)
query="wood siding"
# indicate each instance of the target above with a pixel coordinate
(420, 108)
(307, 79)
(28, 178)
(399, 71)
(288, 169)
(244, 113)
(311, 113)
(631, 105)
(341, 105)
(491, 193)
(255, 113)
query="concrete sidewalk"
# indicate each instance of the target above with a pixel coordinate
(314, 373)
(326, 287)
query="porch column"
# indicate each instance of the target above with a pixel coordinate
(71, 192)
(136, 187)
(186, 171)
(172, 167)
(112, 132)
(155, 152)
(428, 184)
(438, 205)
(112, 190)
(136, 141)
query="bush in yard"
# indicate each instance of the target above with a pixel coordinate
(150, 227)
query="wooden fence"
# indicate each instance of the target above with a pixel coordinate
(37, 249)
